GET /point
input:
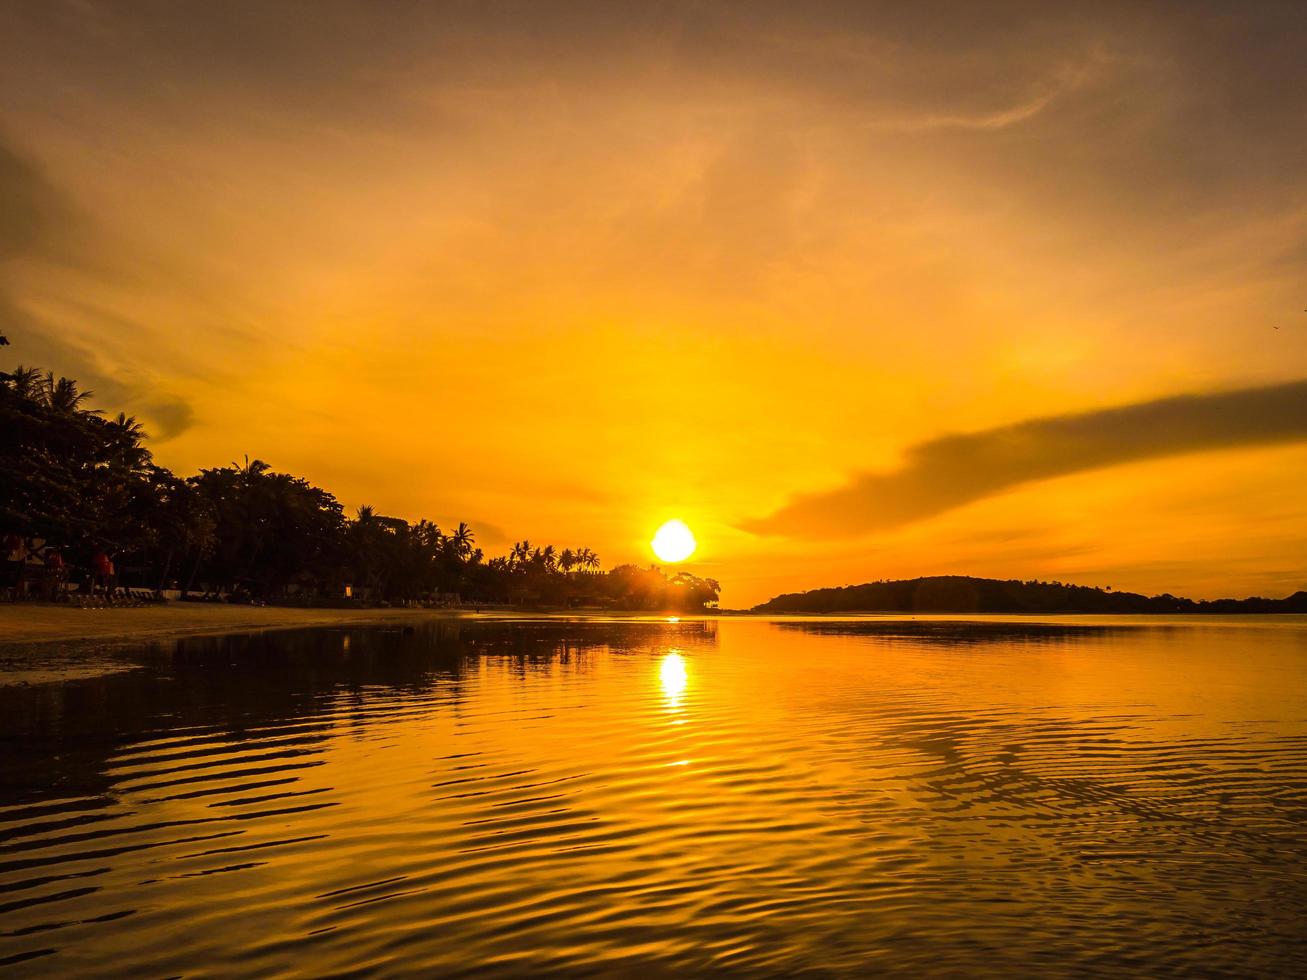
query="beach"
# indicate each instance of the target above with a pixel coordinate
(27, 623)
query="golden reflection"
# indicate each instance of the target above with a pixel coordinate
(674, 677)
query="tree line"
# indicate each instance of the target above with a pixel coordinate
(964, 594)
(87, 489)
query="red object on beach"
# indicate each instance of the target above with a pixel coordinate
(103, 566)
(54, 560)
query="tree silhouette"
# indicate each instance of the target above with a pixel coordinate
(86, 484)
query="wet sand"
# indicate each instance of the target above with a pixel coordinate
(26, 623)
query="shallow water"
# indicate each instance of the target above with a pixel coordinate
(741, 797)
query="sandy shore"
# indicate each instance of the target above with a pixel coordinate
(24, 623)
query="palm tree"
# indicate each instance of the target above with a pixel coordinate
(567, 561)
(129, 434)
(129, 426)
(62, 396)
(589, 560)
(520, 554)
(27, 383)
(462, 539)
(257, 468)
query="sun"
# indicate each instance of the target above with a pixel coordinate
(674, 542)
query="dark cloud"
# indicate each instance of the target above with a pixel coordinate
(34, 344)
(169, 416)
(29, 206)
(1104, 111)
(31, 212)
(39, 224)
(953, 470)
(487, 533)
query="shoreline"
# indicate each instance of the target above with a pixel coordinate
(25, 624)
(42, 643)
(37, 624)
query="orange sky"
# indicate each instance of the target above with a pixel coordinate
(567, 270)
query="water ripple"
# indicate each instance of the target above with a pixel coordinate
(605, 798)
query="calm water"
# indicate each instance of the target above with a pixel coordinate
(740, 797)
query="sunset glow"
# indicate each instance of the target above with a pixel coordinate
(433, 271)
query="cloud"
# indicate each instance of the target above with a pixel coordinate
(947, 472)
(1065, 80)
(31, 212)
(488, 534)
(170, 416)
(1000, 119)
(27, 201)
(39, 224)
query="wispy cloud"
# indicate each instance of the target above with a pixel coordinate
(999, 119)
(953, 470)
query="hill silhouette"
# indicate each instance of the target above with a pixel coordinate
(964, 594)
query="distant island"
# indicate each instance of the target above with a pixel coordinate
(964, 594)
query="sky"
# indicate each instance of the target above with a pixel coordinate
(858, 291)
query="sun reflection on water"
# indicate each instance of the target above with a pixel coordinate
(674, 677)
